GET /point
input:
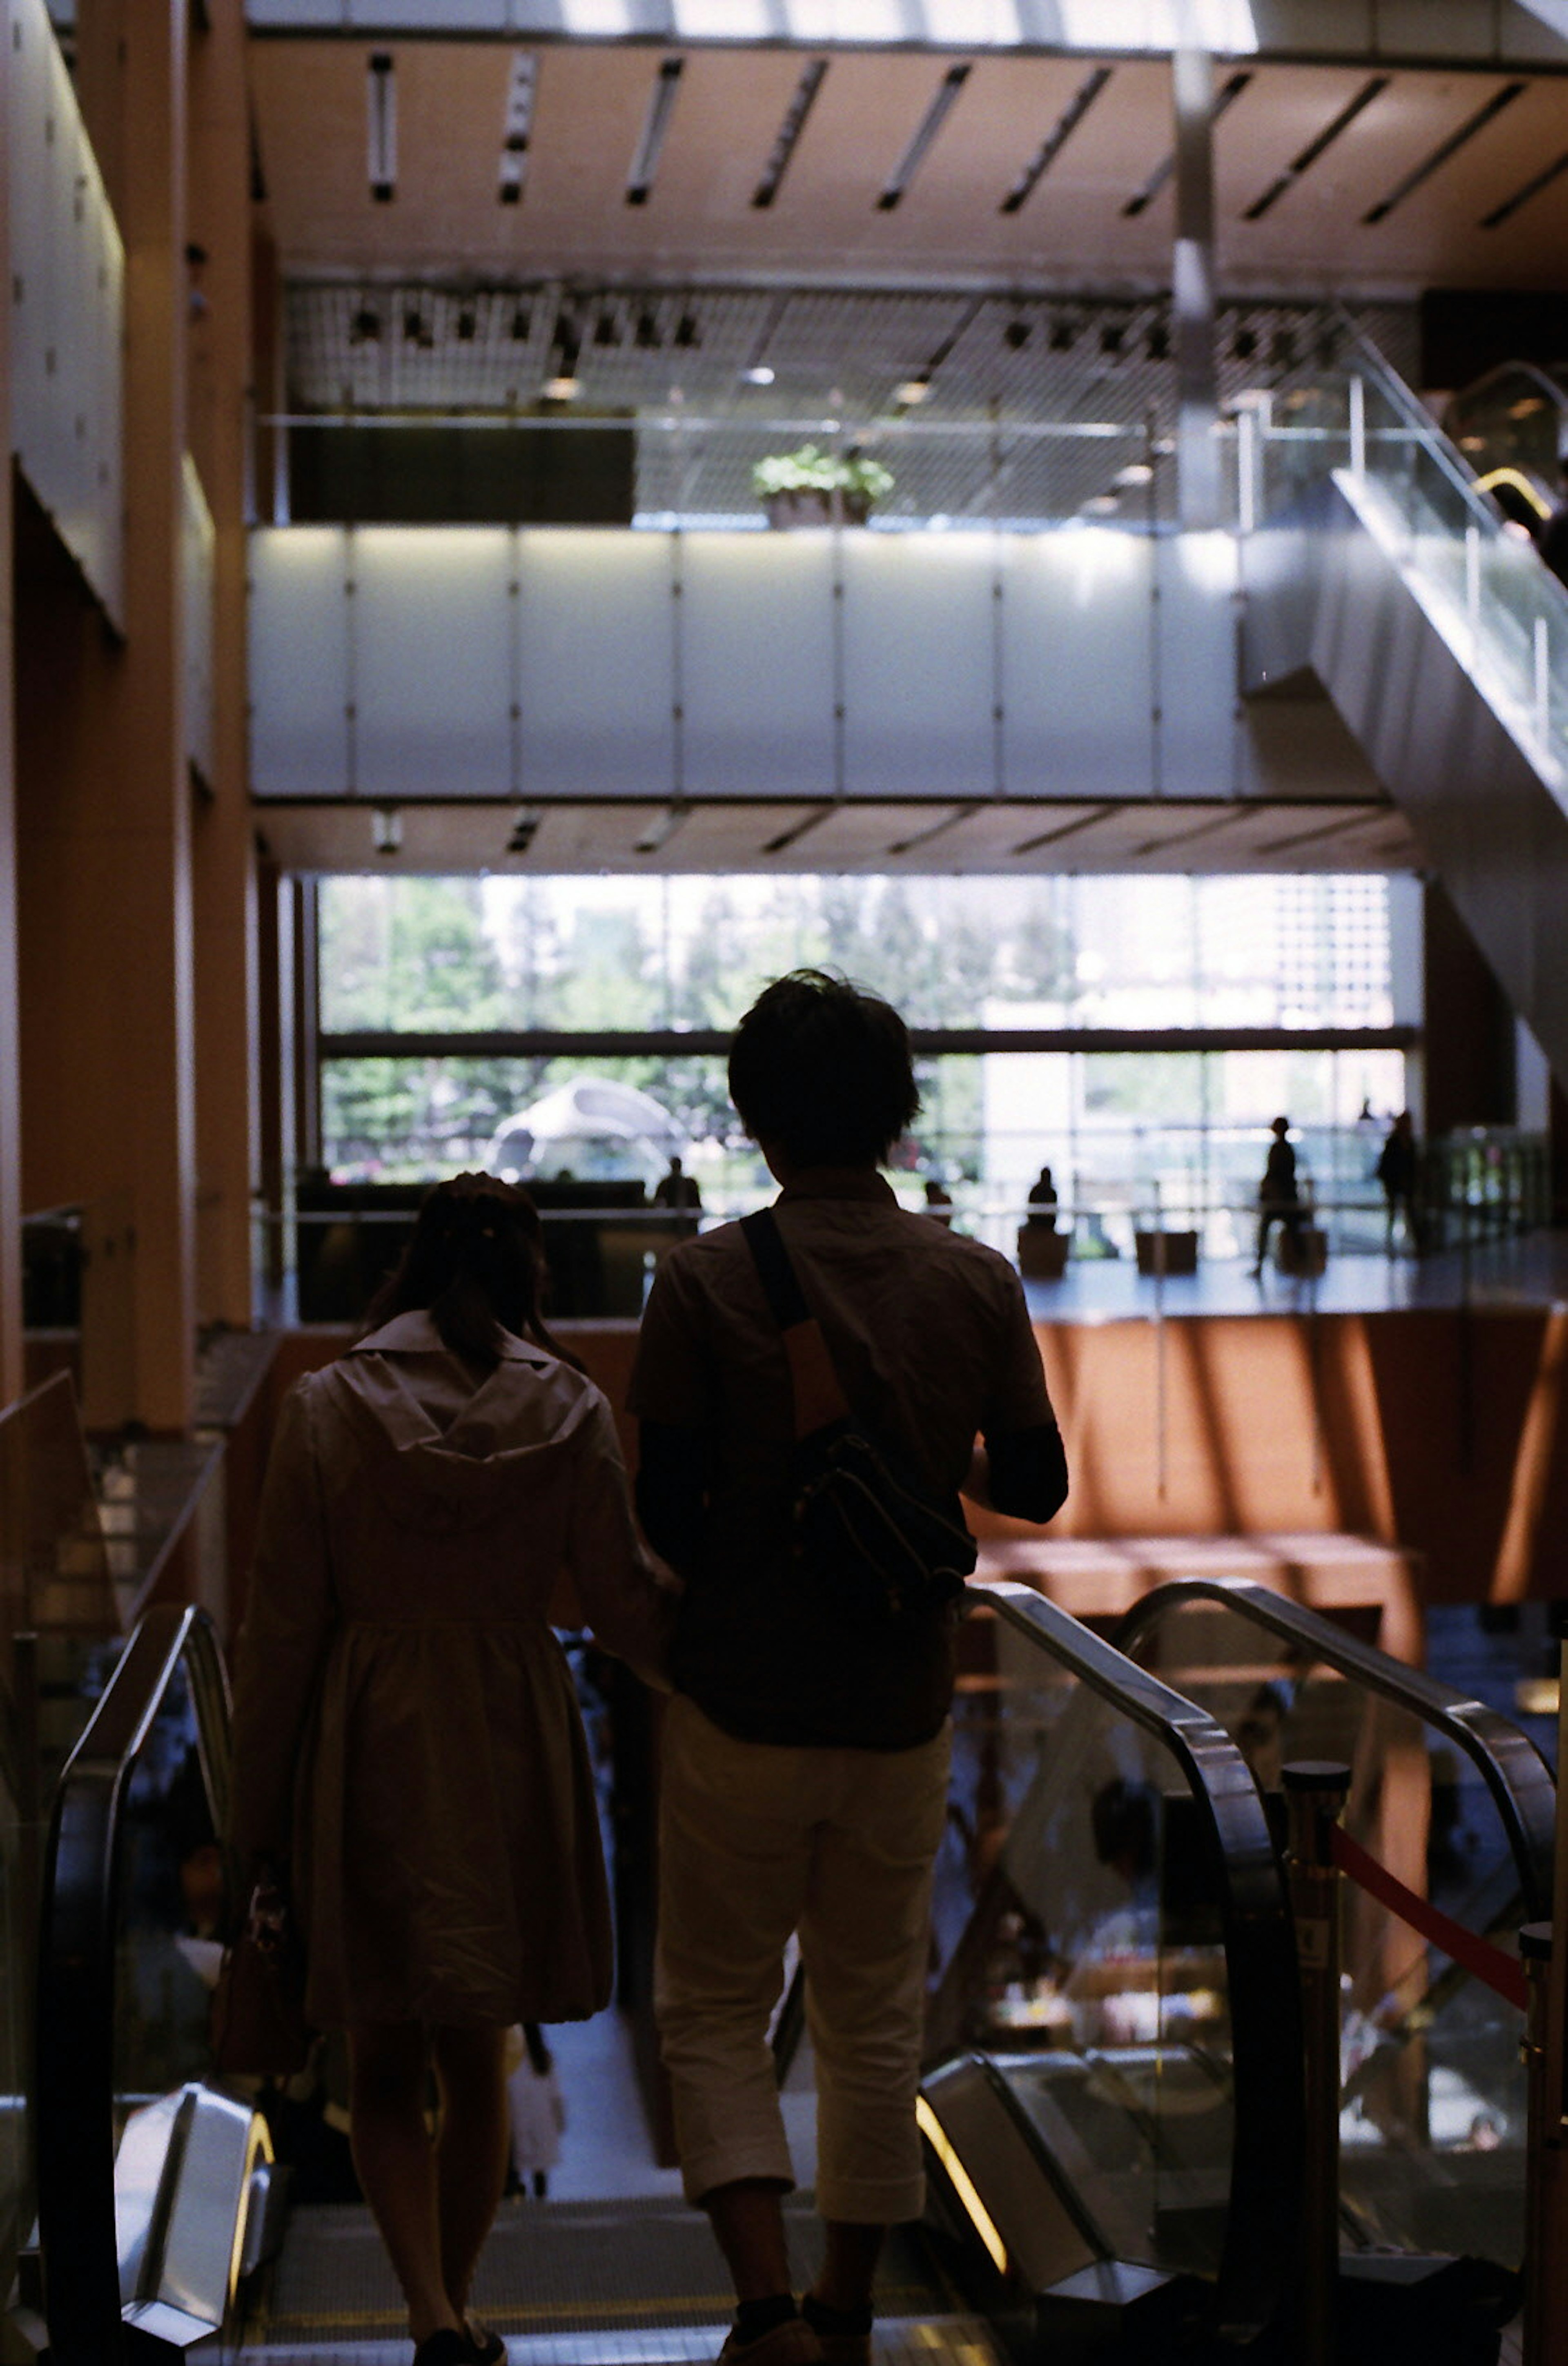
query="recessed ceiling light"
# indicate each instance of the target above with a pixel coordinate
(1137, 472)
(562, 389)
(912, 391)
(758, 375)
(1100, 505)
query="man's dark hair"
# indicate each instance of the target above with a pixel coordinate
(823, 1069)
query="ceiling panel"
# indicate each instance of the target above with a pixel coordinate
(1133, 836)
(1072, 231)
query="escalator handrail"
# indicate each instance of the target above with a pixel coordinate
(73, 2032)
(1370, 363)
(1540, 379)
(1268, 2113)
(1512, 1768)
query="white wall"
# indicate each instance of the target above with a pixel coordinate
(67, 309)
(394, 662)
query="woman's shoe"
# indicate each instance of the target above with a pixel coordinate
(446, 2347)
(485, 2347)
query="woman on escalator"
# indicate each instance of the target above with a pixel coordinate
(411, 1770)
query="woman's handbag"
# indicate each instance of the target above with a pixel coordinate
(259, 2028)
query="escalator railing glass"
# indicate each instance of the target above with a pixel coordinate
(1459, 1806)
(129, 1945)
(1112, 1942)
(1481, 584)
(1513, 418)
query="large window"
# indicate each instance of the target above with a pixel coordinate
(600, 958)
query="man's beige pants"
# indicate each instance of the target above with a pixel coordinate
(757, 1842)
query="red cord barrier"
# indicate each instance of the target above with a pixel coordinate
(1503, 1973)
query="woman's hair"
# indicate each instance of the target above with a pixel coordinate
(823, 1069)
(475, 1263)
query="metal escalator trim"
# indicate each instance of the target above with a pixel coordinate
(74, 2027)
(1510, 1765)
(963, 2184)
(1268, 2125)
(1068, 2192)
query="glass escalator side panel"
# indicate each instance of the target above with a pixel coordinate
(1080, 1946)
(1432, 2125)
(168, 1915)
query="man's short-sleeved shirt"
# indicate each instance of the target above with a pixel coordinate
(932, 1344)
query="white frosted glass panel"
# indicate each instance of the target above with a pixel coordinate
(757, 664)
(1197, 670)
(433, 661)
(1076, 692)
(65, 307)
(299, 662)
(598, 663)
(919, 664)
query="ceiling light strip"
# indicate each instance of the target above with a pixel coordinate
(1442, 151)
(517, 128)
(382, 126)
(655, 123)
(797, 830)
(1142, 199)
(1521, 197)
(1372, 88)
(895, 190)
(1056, 139)
(801, 103)
(934, 829)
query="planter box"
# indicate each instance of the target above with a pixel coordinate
(809, 507)
(1301, 1254)
(1042, 1252)
(1167, 1252)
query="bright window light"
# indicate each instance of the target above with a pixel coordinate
(604, 17)
(721, 20)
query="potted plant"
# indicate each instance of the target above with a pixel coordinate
(810, 486)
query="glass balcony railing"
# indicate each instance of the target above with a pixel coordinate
(1474, 572)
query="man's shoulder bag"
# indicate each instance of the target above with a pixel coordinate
(875, 1534)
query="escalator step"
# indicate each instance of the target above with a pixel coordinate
(556, 2269)
(900, 2341)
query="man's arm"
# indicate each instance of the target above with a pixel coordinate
(1022, 1472)
(671, 1491)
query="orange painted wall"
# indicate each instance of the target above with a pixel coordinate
(1439, 1431)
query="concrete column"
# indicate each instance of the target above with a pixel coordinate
(1192, 286)
(11, 1371)
(106, 793)
(228, 1147)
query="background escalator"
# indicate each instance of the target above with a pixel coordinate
(1456, 1801)
(1115, 2053)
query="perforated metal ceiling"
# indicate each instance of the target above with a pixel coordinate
(1000, 373)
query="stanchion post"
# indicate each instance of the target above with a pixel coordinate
(1315, 1792)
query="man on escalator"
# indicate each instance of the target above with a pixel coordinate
(805, 1752)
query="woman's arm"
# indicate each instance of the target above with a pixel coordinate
(289, 1615)
(629, 1610)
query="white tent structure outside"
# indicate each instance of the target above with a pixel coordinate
(594, 1130)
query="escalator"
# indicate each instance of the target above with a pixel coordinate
(1113, 2108)
(1377, 575)
(1458, 1803)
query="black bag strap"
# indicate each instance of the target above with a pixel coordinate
(781, 1284)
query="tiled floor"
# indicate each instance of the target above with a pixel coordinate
(1530, 1271)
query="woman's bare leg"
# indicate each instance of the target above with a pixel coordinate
(472, 2150)
(396, 2161)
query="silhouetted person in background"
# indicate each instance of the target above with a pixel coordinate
(1399, 1172)
(1278, 1196)
(679, 1192)
(1043, 1203)
(1552, 534)
(938, 1200)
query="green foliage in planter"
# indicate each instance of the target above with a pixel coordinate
(809, 470)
